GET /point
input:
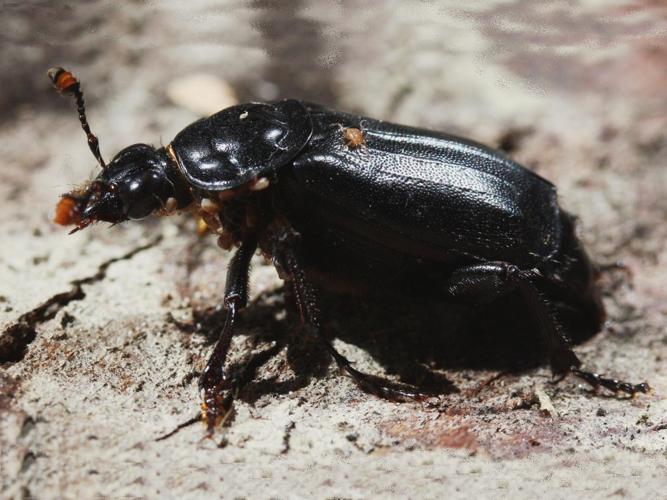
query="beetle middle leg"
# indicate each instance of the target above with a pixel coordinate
(483, 283)
(289, 262)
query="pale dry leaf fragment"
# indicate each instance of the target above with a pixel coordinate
(546, 406)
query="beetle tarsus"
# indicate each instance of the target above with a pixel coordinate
(374, 385)
(614, 385)
(218, 400)
(217, 407)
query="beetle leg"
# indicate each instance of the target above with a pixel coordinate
(287, 255)
(561, 357)
(600, 269)
(485, 282)
(213, 379)
(612, 384)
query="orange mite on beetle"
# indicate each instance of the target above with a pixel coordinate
(466, 223)
(354, 138)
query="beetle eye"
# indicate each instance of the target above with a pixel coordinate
(141, 195)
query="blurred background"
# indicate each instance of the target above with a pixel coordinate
(574, 90)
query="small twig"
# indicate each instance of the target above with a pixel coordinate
(183, 425)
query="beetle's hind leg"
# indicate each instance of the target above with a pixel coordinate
(482, 283)
(612, 384)
(286, 252)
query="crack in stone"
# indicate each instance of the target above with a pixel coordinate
(15, 339)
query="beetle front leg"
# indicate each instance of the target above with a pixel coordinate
(214, 379)
(286, 251)
(482, 283)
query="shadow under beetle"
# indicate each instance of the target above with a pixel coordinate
(344, 202)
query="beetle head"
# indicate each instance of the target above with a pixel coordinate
(134, 185)
(137, 182)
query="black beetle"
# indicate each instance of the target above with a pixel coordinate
(336, 198)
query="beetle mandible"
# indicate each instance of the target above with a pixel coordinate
(290, 179)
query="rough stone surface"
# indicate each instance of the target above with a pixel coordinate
(102, 333)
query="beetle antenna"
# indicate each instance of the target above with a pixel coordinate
(66, 83)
